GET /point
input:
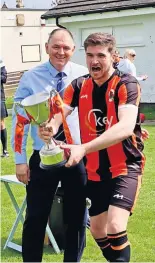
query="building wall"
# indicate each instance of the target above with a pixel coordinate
(23, 47)
(130, 30)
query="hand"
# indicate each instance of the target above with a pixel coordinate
(47, 130)
(23, 173)
(77, 152)
(144, 77)
(145, 134)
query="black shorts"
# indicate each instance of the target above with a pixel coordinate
(4, 112)
(121, 191)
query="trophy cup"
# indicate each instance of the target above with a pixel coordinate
(40, 108)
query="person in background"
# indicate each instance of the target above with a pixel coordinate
(126, 65)
(41, 185)
(4, 112)
(110, 131)
(117, 59)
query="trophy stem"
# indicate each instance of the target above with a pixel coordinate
(47, 146)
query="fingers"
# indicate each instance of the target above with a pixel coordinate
(145, 134)
(28, 176)
(43, 125)
(66, 146)
(45, 133)
(72, 161)
(23, 178)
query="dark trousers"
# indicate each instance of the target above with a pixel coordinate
(40, 193)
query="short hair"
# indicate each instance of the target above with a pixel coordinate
(102, 39)
(57, 30)
(129, 52)
(117, 53)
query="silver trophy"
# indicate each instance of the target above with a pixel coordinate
(39, 109)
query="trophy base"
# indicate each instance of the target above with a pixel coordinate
(52, 166)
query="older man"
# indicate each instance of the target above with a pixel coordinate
(41, 186)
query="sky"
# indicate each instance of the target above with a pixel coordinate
(41, 4)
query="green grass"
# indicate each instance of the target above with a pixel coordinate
(149, 111)
(9, 102)
(141, 227)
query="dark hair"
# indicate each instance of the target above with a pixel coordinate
(102, 39)
(59, 29)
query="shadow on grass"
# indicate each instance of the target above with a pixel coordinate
(9, 252)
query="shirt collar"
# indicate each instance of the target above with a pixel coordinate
(54, 71)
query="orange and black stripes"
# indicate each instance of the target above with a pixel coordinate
(69, 92)
(88, 126)
(120, 247)
(105, 247)
(137, 192)
(118, 241)
(98, 111)
(120, 157)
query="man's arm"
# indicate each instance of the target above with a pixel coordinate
(22, 169)
(118, 132)
(48, 130)
(133, 72)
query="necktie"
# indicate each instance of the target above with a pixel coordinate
(59, 83)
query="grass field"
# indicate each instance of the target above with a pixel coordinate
(141, 227)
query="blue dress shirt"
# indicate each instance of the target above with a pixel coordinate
(39, 79)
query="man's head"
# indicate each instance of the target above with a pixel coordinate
(130, 54)
(100, 48)
(60, 47)
(116, 56)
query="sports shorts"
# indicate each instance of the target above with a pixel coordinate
(121, 191)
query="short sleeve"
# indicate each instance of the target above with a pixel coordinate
(71, 95)
(129, 93)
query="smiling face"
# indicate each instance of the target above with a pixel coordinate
(100, 63)
(60, 49)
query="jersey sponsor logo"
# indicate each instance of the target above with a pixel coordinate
(118, 196)
(84, 96)
(100, 121)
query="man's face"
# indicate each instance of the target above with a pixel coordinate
(99, 62)
(132, 57)
(116, 58)
(60, 49)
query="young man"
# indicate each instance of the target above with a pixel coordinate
(111, 143)
(57, 73)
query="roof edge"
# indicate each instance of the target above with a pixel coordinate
(46, 16)
(23, 9)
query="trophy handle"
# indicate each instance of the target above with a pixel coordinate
(53, 92)
(17, 104)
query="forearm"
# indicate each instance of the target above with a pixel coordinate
(20, 158)
(57, 120)
(112, 136)
(139, 78)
